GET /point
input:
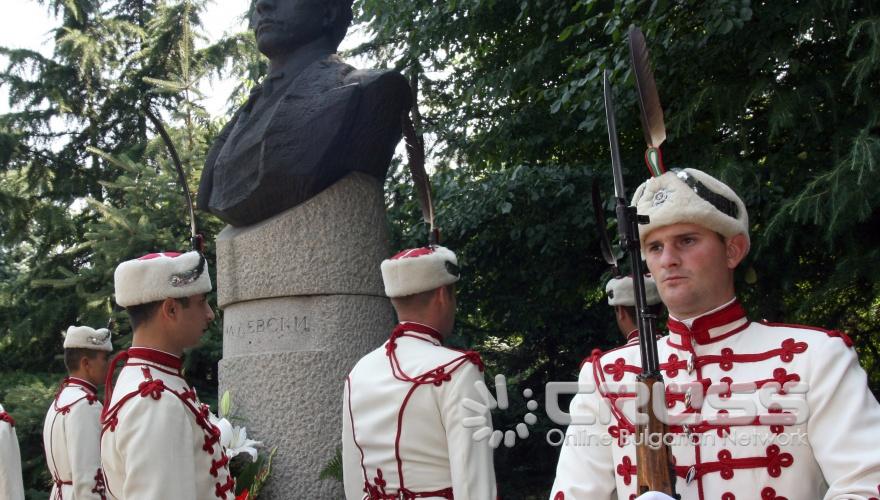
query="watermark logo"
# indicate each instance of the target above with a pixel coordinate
(746, 405)
(481, 422)
(736, 403)
(735, 438)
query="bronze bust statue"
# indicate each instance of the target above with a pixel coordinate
(310, 122)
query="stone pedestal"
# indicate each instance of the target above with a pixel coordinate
(302, 300)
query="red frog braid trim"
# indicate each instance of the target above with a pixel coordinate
(5, 417)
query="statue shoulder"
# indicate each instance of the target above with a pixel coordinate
(388, 85)
(369, 77)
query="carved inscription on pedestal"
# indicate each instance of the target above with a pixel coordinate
(285, 324)
(270, 325)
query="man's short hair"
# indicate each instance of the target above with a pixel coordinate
(142, 313)
(74, 355)
(417, 300)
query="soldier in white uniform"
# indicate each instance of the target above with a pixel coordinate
(72, 429)
(621, 296)
(403, 435)
(743, 428)
(157, 437)
(11, 484)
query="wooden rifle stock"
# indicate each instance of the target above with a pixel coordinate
(655, 471)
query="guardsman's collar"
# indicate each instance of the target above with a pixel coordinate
(418, 330)
(633, 335)
(82, 383)
(721, 323)
(155, 356)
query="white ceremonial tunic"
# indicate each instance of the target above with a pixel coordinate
(72, 441)
(157, 440)
(402, 433)
(11, 484)
(632, 338)
(832, 454)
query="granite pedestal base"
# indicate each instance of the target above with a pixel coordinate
(302, 301)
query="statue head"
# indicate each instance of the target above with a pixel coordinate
(283, 26)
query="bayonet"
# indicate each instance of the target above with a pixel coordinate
(601, 226)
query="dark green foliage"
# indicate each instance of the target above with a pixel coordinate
(778, 100)
(86, 184)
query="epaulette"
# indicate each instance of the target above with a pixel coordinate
(595, 354)
(831, 333)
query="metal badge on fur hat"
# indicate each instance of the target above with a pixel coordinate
(84, 337)
(690, 196)
(158, 276)
(418, 270)
(621, 292)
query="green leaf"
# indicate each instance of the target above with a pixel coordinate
(333, 469)
(566, 32)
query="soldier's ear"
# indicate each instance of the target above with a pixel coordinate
(168, 309)
(84, 362)
(736, 248)
(443, 294)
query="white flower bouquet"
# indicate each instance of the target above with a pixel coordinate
(249, 461)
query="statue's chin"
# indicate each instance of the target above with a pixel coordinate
(275, 41)
(271, 45)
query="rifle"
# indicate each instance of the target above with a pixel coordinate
(654, 464)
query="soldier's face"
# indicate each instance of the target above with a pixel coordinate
(194, 320)
(282, 26)
(693, 267)
(96, 367)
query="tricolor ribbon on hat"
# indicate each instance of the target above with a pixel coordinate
(649, 102)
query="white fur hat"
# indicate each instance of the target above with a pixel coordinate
(690, 196)
(84, 337)
(621, 291)
(158, 276)
(418, 270)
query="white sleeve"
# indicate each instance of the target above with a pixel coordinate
(84, 449)
(844, 420)
(352, 474)
(11, 484)
(471, 466)
(585, 470)
(156, 439)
